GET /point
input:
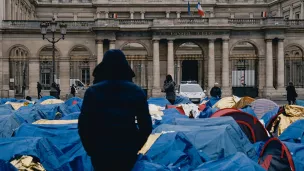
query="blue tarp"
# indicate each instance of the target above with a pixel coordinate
(297, 153)
(169, 116)
(300, 102)
(70, 101)
(258, 146)
(238, 161)
(174, 150)
(4, 100)
(6, 166)
(71, 116)
(30, 114)
(248, 110)
(268, 115)
(65, 137)
(146, 164)
(50, 110)
(214, 141)
(212, 101)
(50, 157)
(182, 100)
(6, 109)
(294, 133)
(207, 112)
(8, 123)
(161, 101)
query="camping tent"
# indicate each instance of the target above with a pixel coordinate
(294, 133)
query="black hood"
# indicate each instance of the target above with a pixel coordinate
(114, 66)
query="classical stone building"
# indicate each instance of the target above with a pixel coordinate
(232, 44)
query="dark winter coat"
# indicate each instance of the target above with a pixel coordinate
(169, 88)
(291, 93)
(73, 90)
(107, 126)
(216, 92)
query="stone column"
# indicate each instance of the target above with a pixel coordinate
(302, 10)
(170, 59)
(178, 72)
(269, 64)
(131, 15)
(75, 17)
(290, 12)
(200, 66)
(156, 69)
(99, 47)
(64, 76)
(142, 74)
(178, 14)
(279, 9)
(8, 10)
(168, 14)
(211, 65)
(112, 44)
(281, 64)
(225, 64)
(92, 67)
(142, 15)
(251, 15)
(34, 76)
(106, 14)
(132, 64)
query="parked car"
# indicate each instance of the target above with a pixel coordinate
(192, 90)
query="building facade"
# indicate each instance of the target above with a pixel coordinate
(232, 44)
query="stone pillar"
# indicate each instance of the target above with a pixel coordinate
(131, 15)
(8, 10)
(281, 64)
(225, 67)
(112, 44)
(64, 76)
(99, 47)
(132, 64)
(302, 10)
(106, 14)
(55, 15)
(178, 72)
(142, 15)
(2, 10)
(279, 9)
(92, 67)
(211, 65)
(156, 69)
(178, 14)
(168, 14)
(34, 77)
(269, 64)
(251, 15)
(142, 74)
(75, 16)
(170, 59)
(290, 12)
(200, 73)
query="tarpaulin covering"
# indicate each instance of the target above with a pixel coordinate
(226, 102)
(16, 105)
(174, 150)
(294, 133)
(182, 100)
(268, 115)
(159, 101)
(71, 116)
(49, 122)
(73, 101)
(46, 98)
(51, 101)
(6, 109)
(169, 116)
(248, 110)
(297, 153)
(6, 166)
(238, 161)
(300, 102)
(65, 138)
(207, 112)
(215, 142)
(244, 101)
(8, 123)
(148, 165)
(49, 156)
(212, 101)
(4, 100)
(30, 115)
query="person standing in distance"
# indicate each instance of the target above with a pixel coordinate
(73, 90)
(216, 91)
(39, 88)
(107, 124)
(291, 93)
(169, 88)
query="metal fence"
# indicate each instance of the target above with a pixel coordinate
(294, 72)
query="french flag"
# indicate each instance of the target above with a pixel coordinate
(200, 9)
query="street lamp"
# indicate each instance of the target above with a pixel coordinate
(53, 26)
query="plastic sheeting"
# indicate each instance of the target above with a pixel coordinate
(213, 142)
(174, 150)
(16, 105)
(268, 115)
(7, 166)
(50, 157)
(51, 101)
(6, 109)
(294, 133)
(297, 153)
(163, 102)
(30, 115)
(27, 163)
(244, 101)
(248, 110)
(54, 122)
(4, 100)
(65, 138)
(169, 116)
(73, 101)
(8, 123)
(300, 102)
(226, 102)
(238, 161)
(71, 116)
(182, 100)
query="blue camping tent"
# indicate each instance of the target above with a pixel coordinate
(145, 164)
(65, 137)
(49, 156)
(30, 114)
(174, 150)
(294, 133)
(6, 166)
(8, 123)
(160, 101)
(169, 116)
(238, 161)
(214, 141)
(182, 100)
(6, 109)
(300, 102)
(297, 153)
(71, 116)
(4, 100)
(70, 101)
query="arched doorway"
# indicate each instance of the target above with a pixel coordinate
(294, 66)
(244, 69)
(189, 63)
(81, 65)
(18, 70)
(46, 67)
(137, 55)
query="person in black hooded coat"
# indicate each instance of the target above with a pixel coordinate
(106, 125)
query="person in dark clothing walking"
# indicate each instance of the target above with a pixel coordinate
(39, 88)
(169, 88)
(58, 90)
(216, 92)
(291, 93)
(107, 124)
(73, 90)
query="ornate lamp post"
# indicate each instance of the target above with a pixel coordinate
(53, 26)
